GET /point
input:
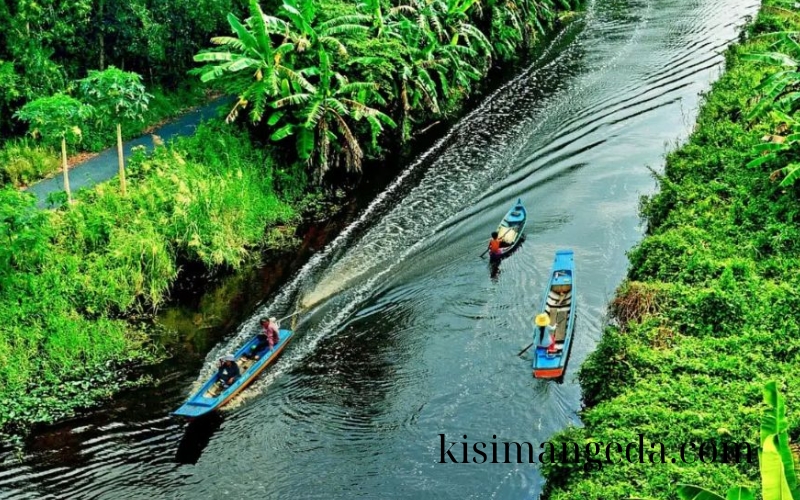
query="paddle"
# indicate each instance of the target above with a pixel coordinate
(289, 316)
(531, 344)
(499, 237)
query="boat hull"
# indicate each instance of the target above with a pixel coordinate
(511, 228)
(559, 302)
(209, 399)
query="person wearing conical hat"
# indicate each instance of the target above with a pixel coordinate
(542, 320)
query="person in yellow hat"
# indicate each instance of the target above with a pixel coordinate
(542, 320)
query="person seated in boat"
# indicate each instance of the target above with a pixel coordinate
(494, 247)
(267, 338)
(228, 371)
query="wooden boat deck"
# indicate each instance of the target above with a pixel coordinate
(558, 304)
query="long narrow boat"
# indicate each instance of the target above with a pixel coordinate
(510, 229)
(211, 396)
(552, 346)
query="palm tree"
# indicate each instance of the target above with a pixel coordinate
(251, 50)
(326, 113)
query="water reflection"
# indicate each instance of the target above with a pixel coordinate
(196, 437)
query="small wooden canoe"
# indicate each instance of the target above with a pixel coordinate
(510, 229)
(211, 396)
(552, 345)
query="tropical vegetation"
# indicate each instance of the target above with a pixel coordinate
(707, 314)
(321, 83)
(776, 462)
(336, 76)
(69, 278)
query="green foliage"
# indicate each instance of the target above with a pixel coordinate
(426, 56)
(48, 44)
(323, 113)
(706, 318)
(117, 95)
(778, 479)
(65, 275)
(22, 163)
(55, 117)
(778, 94)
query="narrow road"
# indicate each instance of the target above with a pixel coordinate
(104, 166)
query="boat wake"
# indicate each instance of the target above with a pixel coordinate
(459, 167)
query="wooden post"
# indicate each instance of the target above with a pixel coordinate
(64, 165)
(121, 159)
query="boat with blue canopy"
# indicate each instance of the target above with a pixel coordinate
(556, 320)
(213, 395)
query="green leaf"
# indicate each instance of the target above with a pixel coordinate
(792, 172)
(691, 492)
(772, 58)
(283, 132)
(274, 118)
(760, 160)
(740, 493)
(774, 484)
(305, 143)
(777, 465)
(768, 146)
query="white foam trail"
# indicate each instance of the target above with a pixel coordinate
(379, 244)
(284, 298)
(380, 254)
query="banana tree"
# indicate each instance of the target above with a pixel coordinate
(251, 50)
(325, 114)
(778, 479)
(449, 21)
(781, 148)
(309, 33)
(119, 96)
(416, 82)
(507, 29)
(374, 10)
(56, 117)
(779, 90)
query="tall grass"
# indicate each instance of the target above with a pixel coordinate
(67, 277)
(23, 162)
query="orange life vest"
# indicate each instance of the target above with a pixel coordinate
(494, 246)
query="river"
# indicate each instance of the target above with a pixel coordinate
(405, 335)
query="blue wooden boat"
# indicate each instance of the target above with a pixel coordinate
(510, 229)
(212, 396)
(552, 344)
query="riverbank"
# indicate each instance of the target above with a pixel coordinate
(79, 284)
(79, 281)
(707, 313)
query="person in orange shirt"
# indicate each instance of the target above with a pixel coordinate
(494, 248)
